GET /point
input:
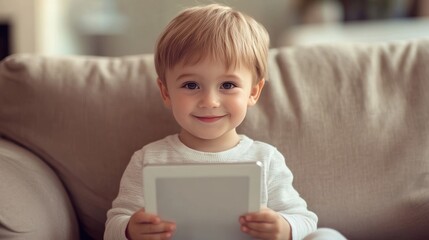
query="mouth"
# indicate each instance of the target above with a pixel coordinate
(209, 119)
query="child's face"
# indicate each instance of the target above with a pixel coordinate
(208, 100)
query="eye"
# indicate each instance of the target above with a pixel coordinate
(228, 85)
(190, 85)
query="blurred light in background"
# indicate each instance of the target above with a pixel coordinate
(99, 17)
(333, 21)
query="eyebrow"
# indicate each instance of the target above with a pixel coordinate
(184, 75)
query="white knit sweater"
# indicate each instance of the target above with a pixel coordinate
(277, 190)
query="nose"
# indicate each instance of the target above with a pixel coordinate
(209, 99)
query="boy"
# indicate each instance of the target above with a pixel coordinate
(211, 62)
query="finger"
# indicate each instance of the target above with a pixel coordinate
(263, 216)
(261, 226)
(257, 234)
(157, 236)
(163, 227)
(144, 217)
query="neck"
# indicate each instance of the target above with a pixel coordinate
(222, 143)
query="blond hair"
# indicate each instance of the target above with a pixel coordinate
(216, 32)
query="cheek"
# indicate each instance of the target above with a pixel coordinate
(181, 106)
(239, 105)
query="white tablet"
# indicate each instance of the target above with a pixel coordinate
(204, 200)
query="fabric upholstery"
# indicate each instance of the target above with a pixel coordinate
(352, 121)
(33, 203)
(85, 116)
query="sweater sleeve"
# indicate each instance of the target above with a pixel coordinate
(128, 201)
(284, 199)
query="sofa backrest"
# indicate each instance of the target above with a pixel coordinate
(84, 116)
(352, 121)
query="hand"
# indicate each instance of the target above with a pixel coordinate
(143, 225)
(266, 224)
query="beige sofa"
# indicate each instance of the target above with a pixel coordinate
(351, 119)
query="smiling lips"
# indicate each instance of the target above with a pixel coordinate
(208, 119)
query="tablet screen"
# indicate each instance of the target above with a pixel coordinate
(205, 201)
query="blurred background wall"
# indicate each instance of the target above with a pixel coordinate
(143, 20)
(123, 27)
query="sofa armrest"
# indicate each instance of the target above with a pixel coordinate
(33, 202)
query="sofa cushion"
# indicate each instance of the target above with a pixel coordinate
(85, 116)
(34, 204)
(353, 123)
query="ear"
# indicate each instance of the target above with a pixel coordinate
(164, 93)
(255, 92)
